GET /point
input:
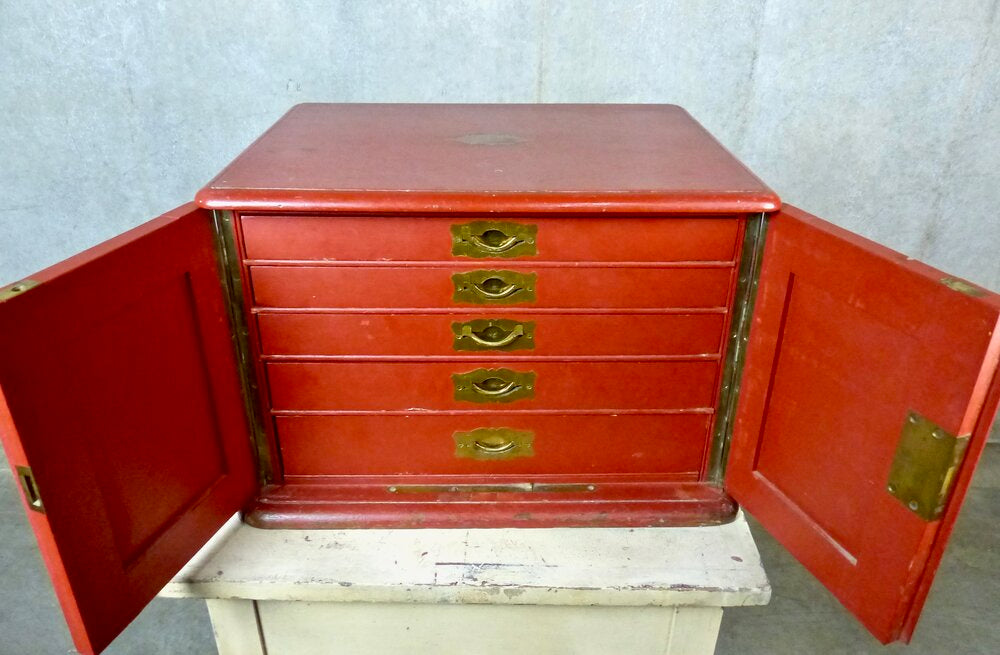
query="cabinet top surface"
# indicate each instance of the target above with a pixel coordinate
(483, 158)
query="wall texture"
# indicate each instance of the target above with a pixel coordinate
(881, 117)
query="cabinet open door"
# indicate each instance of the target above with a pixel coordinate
(122, 416)
(869, 388)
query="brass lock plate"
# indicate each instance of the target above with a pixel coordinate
(494, 287)
(510, 487)
(493, 239)
(494, 443)
(924, 467)
(494, 334)
(30, 488)
(493, 385)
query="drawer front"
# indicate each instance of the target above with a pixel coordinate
(434, 286)
(434, 239)
(351, 386)
(471, 335)
(376, 445)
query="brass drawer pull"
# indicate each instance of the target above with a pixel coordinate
(498, 287)
(510, 337)
(494, 288)
(493, 239)
(494, 447)
(500, 385)
(494, 443)
(495, 387)
(493, 334)
(502, 245)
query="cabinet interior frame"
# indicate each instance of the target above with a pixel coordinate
(231, 277)
(748, 276)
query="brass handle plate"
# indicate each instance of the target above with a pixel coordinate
(494, 443)
(494, 334)
(494, 287)
(497, 385)
(493, 239)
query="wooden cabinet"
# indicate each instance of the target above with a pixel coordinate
(521, 315)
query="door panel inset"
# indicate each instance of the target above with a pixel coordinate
(120, 395)
(849, 340)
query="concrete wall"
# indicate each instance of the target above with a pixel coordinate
(881, 116)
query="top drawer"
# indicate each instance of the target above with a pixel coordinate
(394, 238)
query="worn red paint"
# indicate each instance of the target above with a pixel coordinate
(120, 387)
(848, 338)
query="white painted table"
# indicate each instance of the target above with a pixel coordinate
(576, 591)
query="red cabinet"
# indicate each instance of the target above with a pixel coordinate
(521, 315)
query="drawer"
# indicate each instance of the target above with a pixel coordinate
(352, 386)
(413, 335)
(395, 238)
(434, 286)
(376, 445)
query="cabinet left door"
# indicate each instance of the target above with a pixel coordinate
(122, 416)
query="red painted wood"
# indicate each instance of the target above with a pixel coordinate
(423, 335)
(352, 386)
(408, 445)
(384, 287)
(398, 238)
(616, 501)
(487, 158)
(121, 394)
(847, 338)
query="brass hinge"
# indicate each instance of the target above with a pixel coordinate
(30, 489)
(16, 289)
(924, 468)
(962, 286)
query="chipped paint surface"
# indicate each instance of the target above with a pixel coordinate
(707, 566)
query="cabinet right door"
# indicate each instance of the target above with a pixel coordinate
(869, 388)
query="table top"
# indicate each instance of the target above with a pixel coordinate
(715, 566)
(511, 158)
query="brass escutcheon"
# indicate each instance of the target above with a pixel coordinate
(494, 334)
(493, 239)
(494, 287)
(494, 443)
(496, 385)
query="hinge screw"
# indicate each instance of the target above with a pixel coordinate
(914, 505)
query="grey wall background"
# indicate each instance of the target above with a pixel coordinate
(882, 116)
